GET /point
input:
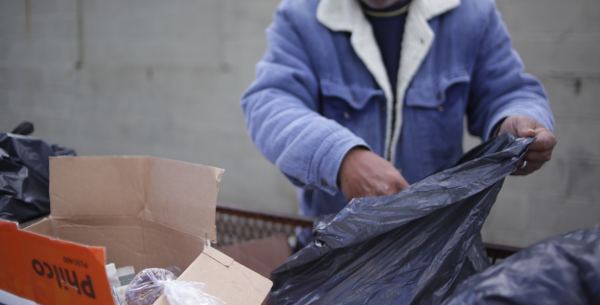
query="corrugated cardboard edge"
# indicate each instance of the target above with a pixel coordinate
(43, 227)
(219, 256)
(260, 255)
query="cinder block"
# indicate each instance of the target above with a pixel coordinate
(578, 139)
(41, 52)
(184, 33)
(573, 96)
(45, 7)
(9, 118)
(550, 54)
(543, 220)
(12, 8)
(245, 17)
(57, 26)
(510, 212)
(242, 54)
(551, 16)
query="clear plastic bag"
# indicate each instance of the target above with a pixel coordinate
(149, 285)
(189, 293)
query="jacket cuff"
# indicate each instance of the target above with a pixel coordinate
(328, 157)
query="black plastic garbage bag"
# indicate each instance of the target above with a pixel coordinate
(24, 176)
(413, 247)
(564, 269)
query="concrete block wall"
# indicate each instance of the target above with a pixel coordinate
(559, 43)
(142, 77)
(148, 77)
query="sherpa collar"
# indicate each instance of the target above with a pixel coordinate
(347, 16)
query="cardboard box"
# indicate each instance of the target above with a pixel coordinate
(261, 255)
(141, 211)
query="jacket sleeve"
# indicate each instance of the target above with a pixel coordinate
(499, 87)
(281, 111)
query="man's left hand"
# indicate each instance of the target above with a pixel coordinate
(540, 150)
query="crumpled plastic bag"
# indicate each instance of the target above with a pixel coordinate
(189, 293)
(564, 269)
(413, 247)
(24, 176)
(149, 284)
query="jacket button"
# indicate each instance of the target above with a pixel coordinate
(439, 96)
(440, 108)
(324, 182)
(346, 115)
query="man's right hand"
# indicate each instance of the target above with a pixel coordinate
(365, 174)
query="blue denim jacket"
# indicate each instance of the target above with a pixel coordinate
(319, 91)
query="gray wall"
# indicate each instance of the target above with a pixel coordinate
(163, 78)
(559, 42)
(142, 77)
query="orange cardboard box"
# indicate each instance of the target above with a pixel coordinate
(141, 211)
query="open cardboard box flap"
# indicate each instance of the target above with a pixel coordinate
(176, 194)
(144, 211)
(225, 276)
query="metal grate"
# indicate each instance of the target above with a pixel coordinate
(236, 225)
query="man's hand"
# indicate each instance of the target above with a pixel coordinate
(540, 150)
(365, 174)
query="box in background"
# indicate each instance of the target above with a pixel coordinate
(144, 211)
(261, 255)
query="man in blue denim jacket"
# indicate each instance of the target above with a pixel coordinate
(323, 108)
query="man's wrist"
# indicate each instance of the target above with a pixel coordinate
(346, 155)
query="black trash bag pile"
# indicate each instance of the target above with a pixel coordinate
(413, 247)
(24, 176)
(564, 269)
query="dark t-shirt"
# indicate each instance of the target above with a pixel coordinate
(388, 28)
